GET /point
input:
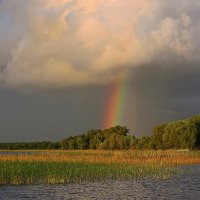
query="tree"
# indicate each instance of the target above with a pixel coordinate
(144, 142)
(157, 137)
(73, 143)
(82, 142)
(181, 135)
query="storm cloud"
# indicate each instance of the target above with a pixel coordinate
(53, 44)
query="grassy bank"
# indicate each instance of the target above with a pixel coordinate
(57, 167)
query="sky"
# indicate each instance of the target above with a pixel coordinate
(67, 66)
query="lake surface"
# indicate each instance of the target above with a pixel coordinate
(184, 186)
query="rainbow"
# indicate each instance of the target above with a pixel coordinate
(115, 104)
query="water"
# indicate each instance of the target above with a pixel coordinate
(184, 186)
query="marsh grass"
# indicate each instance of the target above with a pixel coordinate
(61, 167)
(24, 172)
(108, 157)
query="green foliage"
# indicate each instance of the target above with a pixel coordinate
(144, 143)
(30, 145)
(157, 137)
(181, 135)
(184, 134)
(112, 138)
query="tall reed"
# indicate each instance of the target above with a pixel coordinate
(45, 167)
(24, 172)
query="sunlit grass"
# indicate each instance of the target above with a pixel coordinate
(102, 156)
(45, 167)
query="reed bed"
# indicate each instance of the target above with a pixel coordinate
(24, 172)
(58, 167)
(102, 156)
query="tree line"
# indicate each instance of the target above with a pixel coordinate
(30, 145)
(114, 138)
(183, 134)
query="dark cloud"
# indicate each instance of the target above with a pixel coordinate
(50, 115)
(164, 93)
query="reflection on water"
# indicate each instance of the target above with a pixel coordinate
(184, 186)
